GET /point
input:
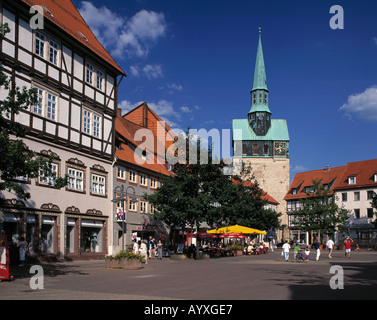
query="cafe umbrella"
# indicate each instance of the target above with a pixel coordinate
(236, 229)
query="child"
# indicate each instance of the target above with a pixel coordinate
(307, 252)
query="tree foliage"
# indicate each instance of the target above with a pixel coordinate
(199, 193)
(17, 160)
(319, 211)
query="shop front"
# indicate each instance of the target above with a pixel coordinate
(85, 234)
(51, 233)
(40, 228)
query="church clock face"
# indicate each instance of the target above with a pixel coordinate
(280, 148)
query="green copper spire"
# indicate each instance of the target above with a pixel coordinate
(259, 93)
(260, 81)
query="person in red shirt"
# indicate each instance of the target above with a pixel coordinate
(347, 244)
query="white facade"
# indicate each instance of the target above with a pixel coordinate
(74, 121)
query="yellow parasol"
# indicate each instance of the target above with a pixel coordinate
(236, 229)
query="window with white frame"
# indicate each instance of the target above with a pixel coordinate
(39, 44)
(98, 184)
(143, 180)
(46, 48)
(94, 76)
(96, 125)
(51, 106)
(75, 179)
(351, 180)
(46, 104)
(143, 206)
(154, 183)
(132, 205)
(121, 173)
(53, 54)
(91, 123)
(132, 177)
(89, 73)
(37, 108)
(99, 80)
(50, 180)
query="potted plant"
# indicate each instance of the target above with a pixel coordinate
(124, 260)
(237, 249)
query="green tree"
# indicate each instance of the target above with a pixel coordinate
(201, 192)
(319, 211)
(16, 158)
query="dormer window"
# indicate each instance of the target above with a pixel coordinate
(294, 191)
(375, 177)
(351, 180)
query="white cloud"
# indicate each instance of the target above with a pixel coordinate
(299, 168)
(174, 87)
(153, 71)
(134, 71)
(363, 105)
(185, 109)
(123, 36)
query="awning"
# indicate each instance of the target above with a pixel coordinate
(232, 235)
(236, 229)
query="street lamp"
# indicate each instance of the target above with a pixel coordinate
(123, 196)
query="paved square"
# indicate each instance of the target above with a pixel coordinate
(231, 278)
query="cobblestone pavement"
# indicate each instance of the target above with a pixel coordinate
(231, 278)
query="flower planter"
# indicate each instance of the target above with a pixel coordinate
(238, 252)
(132, 264)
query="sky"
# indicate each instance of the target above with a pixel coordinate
(193, 63)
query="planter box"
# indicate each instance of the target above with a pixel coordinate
(178, 257)
(238, 252)
(123, 264)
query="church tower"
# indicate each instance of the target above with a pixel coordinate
(262, 143)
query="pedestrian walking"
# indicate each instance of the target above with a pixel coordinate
(285, 251)
(135, 247)
(22, 245)
(317, 246)
(144, 251)
(152, 247)
(159, 249)
(347, 245)
(330, 246)
(307, 253)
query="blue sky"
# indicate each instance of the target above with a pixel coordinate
(193, 63)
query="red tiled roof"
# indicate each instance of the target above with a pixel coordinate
(128, 155)
(363, 171)
(65, 15)
(127, 129)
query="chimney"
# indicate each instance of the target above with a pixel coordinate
(145, 115)
(119, 112)
(327, 168)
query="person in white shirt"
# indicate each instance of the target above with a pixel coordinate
(143, 251)
(135, 247)
(330, 247)
(286, 248)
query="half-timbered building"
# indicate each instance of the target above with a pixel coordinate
(142, 139)
(76, 82)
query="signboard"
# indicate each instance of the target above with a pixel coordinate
(180, 248)
(121, 216)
